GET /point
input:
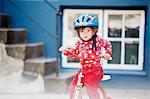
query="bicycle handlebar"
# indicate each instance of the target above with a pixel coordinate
(77, 56)
(90, 57)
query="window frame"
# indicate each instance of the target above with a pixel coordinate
(103, 32)
(123, 40)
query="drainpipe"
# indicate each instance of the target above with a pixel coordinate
(57, 43)
(58, 13)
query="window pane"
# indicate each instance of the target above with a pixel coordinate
(76, 60)
(70, 59)
(116, 53)
(132, 24)
(131, 52)
(115, 26)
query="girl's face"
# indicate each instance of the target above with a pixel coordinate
(86, 33)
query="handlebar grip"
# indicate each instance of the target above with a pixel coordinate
(60, 49)
(110, 58)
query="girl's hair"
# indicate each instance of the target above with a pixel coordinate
(94, 42)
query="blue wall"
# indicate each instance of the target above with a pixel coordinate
(105, 2)
(39, 19)
(148, 29)
(0, 5)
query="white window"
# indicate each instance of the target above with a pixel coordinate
(125, 30)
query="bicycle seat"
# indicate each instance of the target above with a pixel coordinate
(106, 77)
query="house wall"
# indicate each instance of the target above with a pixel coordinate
(0, 6)
(148, 40)
(39, 18)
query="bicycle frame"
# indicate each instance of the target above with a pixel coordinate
(78, 89)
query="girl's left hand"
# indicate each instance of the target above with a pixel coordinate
(107, 56)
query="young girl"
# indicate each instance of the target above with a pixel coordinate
(88, 48)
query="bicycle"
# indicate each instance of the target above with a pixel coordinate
(78, 89)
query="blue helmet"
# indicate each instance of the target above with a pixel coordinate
(84, 20)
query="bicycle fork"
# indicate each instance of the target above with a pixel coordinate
(78, 89)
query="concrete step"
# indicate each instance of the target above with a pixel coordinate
(4, 20)
(3, 35)
(59, 84)
(25, 51)
(17, 35)
(43, 66)
(13, 35)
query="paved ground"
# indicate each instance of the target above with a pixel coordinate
(14, 86)
(114, 93)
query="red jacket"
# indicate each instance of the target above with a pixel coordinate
(84, 50)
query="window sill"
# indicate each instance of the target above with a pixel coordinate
(120, 72)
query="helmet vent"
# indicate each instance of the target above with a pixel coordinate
(83, 19)
(88, 19)
(78, 20)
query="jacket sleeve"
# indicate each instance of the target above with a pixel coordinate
(107, 46)
(73, 52)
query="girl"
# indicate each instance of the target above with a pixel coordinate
(88, 48)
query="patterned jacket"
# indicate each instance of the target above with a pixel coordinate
(84, 51)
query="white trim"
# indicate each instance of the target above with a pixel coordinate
(123, 42)
(127, 39)
(122, 67)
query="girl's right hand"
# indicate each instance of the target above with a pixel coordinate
(63, 50)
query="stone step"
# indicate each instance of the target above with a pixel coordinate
(13, 35)
(17, 35)
(53, 84)
(43, 66)
(25, 51)
(3, 35)
(4, 20)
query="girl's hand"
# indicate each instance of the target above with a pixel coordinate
(63, 50)
(107, 56)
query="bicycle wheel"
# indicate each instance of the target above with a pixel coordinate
(77, 93)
